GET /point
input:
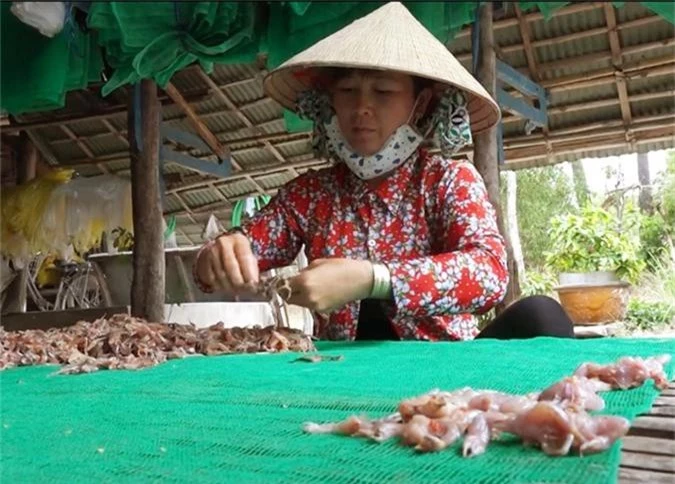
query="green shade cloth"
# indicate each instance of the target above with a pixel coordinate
(37, 71)
(144, 40)
(238, 418)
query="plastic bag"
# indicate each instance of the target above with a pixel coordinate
(47, 17)
(213, 228)
(52, 215)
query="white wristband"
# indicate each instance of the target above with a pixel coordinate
(381, 282)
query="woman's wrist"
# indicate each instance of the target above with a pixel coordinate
(381, 288)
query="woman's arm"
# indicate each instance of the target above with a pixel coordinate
(275, 233)
(470, 274)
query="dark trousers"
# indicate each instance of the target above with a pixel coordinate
(527, 318)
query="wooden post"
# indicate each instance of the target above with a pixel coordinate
(148, 284)
(485, 143)
(28, 160)
(16, 297)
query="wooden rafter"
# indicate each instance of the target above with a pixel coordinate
(511, 22)
(118, 134)
(204, 132)
(185, 206)
(641, 22)
(108, 113)
(617, 62)
(596, 56)
(222, 95)
(526, 35)
(571, 108)
(230, 104)
(122, 156)
(83, 146)
(251, 173)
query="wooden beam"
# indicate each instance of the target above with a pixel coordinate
(281, 138)
(85, 149)
(113, 130)
(592, 81)
(239, 113)
(641, 22)
(204, 132)
(595, 56)
(149, 267)
(512, 21)
(588, 131)
(637, 67)
(220, 94)
(571, 108)
(28, 160)
(485, 143)
(250, 173)
(581, 145)
(185, 206)
(42, 146)
(526, 35)
(114, 111)
(617, 61)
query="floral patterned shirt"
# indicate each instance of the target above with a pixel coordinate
(430, 222)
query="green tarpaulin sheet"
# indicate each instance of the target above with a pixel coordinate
(238, 418)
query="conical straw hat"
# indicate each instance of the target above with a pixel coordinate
(390, 38)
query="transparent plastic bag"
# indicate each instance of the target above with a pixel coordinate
(213, 228)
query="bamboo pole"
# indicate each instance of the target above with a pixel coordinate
(148, 283)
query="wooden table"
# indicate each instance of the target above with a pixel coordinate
(648, 452)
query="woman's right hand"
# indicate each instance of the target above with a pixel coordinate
(228, 264)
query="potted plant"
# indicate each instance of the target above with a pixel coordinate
(596, 260)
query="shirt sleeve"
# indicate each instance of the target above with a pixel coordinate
(276, 232)
(469, 274)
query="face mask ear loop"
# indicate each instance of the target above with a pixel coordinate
(413, 125)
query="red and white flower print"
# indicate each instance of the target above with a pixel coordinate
(430, 222)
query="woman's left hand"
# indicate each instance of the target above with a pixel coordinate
(328, 284)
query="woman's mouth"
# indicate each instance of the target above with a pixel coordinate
(362, 131)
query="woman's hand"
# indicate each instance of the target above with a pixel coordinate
(328, 284)
(228, 264)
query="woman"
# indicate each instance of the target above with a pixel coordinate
(402, 244)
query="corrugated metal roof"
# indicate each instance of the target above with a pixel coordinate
(261, 112)
(254, 158)
(275, 180)
(246, 92)
(236, 188)
(295, 148)
(118, 165)
(105, 145)
(198, 198)
(569, 108)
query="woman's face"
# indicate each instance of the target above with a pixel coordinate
(371, 105)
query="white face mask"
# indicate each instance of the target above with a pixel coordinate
(395, 152)
(450, 121)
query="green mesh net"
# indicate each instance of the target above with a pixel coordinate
(238, 418)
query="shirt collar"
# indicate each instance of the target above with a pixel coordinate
(391, 190)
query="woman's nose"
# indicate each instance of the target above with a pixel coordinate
(363, 104)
